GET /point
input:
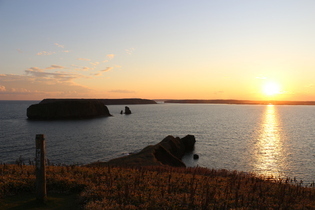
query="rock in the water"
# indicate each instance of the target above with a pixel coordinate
(168, 152)
(189, 142)
(127, 110)
(67, 109)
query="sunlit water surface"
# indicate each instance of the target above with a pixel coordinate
(265, 139)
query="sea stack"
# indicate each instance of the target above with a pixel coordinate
(127, 110)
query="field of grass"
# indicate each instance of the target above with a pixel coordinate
(150, 188)
(55, 201)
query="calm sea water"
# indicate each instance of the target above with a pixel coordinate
(264, 139)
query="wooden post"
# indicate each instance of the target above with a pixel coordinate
(41, 192)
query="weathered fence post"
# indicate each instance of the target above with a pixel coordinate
(41, 192)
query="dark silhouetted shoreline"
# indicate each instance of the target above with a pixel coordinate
(232, 101)
(122, 101)
(168, 152)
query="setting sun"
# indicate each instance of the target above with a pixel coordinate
(271, 88)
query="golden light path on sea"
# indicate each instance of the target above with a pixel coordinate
(269, 153)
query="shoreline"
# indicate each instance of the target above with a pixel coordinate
(168, 152)
(156, 178)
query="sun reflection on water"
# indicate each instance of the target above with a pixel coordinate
(269, 151)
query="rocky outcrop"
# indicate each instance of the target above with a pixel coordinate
(67, 109)
(168, 152)
(127, 110)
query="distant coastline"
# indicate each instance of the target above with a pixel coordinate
(232, 101)
(122, 101)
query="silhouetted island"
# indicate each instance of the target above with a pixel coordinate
(67, 109)
(56, 109)
(168, 152)
(232, 101)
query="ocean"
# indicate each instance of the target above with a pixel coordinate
(271, 140)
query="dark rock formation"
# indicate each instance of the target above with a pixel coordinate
(67, 109)
(127, 110)
(168, 152)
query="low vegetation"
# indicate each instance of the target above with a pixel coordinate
(160, 188)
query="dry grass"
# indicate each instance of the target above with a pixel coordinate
(161, 188)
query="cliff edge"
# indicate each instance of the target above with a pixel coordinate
(168, 152)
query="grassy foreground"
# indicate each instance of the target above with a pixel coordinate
(153, 188)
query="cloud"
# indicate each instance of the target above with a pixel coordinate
(110, 56)
(11, 78)
(104, 70)
(55, 67)
(19, 50)
(107, 69)
(59, 45)
(98, 74)
(13, 87)
(45, 53)
(19, 90)
(83, 59)
(81, 68)
(51, 76)
(105, 61)
(35, 69)
(66, 51)
(129, 51)
(95, 64)
(121, 91)
(86, 68)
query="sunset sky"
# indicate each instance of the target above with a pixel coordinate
(162, 49)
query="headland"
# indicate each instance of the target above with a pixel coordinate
(168, 152)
